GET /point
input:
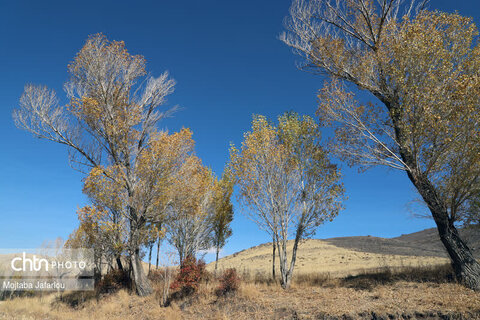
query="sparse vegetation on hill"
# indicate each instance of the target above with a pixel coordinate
(322, 256)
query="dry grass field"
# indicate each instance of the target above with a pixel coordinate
(340, 257)
(333, 299)
(318, 256)
(342, 278)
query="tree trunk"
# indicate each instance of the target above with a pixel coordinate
(216, 260)
(180, 258)
(286, 280)
(97, 270)
(273, 258)
(158, 252)
(150, 258)
(97, 273)
(119, 262)
(287, 274)
(282, 255)
(142, 284)
(466, 267)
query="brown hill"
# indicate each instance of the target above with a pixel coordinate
(429, 239)
(352, 255)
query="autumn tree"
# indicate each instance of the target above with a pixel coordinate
(99, 230)
(189, 215)
(106, 194)
(287, 181)
(173, 181)
(154, 235)
(87, 235)
(272, 168)
(223, 213)
(157, 170)
(471, 217)
(108, 124)
(422, 68)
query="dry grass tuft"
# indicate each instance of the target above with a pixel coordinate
(249, 292)
(173, 312)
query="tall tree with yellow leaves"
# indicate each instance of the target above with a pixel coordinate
(107, 198)
(189, 215)
(423, 68)
(157, 170)
(286, 182)
(100, 231)
(108, 125)
(223, 213)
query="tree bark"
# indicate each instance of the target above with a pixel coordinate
(142, 284)
(289, 275)
(273, 258)
(150, 258)
(465, 266)
(119, 262)
(158, 252)
(216, 260)
(285, 275)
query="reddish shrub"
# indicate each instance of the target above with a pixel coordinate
(189, 277)
(229, 283)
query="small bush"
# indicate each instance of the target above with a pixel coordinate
(191, 272)
(229, 283)
(113, 281)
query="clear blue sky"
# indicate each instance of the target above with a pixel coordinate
(229, 64)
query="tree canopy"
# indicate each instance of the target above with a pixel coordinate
(422, 69)
(286, 181)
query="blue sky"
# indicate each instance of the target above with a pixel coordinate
(229, 64)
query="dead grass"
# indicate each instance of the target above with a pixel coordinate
(369, 278)
(318, 256)
(414, 292)
(120, 305)
(262, 301)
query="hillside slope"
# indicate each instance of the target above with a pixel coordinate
(429, 239)
(351, 255)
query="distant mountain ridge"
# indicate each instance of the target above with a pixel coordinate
(422, 243)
